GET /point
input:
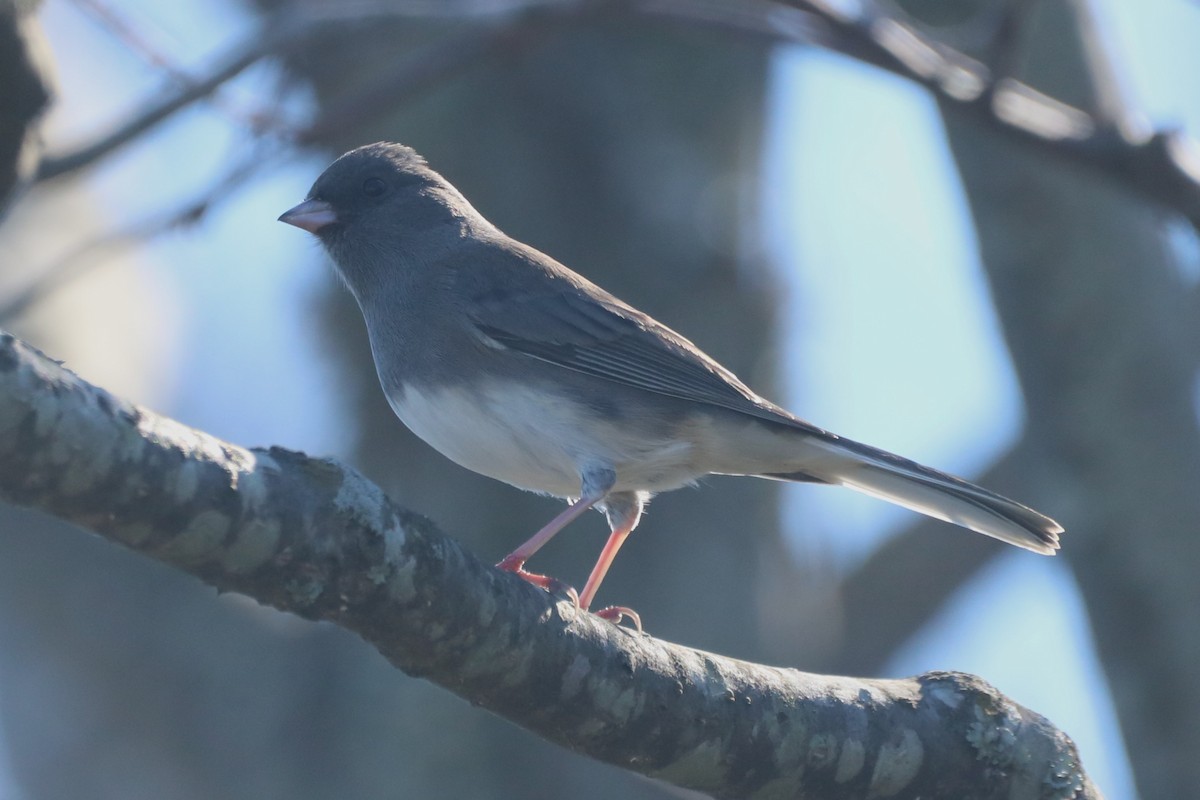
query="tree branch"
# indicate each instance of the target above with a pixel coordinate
(1163, 168)
(274, 36)
(86, 256)
(313, 537)
(24, 96)
(301, 24)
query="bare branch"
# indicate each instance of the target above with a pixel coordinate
(1002, 48)
(87, 256)
(273, 37)
(1162, 167)
(314, 538)
(120, 27)
(296, 26)
(419, 71)
(131, 35)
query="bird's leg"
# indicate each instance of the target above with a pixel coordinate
(623, 511)
(595, 484)
(515, 561)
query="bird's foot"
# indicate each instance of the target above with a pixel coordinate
(545, 582)
(615, 614)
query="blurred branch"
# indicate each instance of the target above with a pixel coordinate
(1002, 48)
(314, 538)
(295, 26)
(24, 95)
(129, 35)
(278, 34)
(86, 256)
(763, 20)
(1162, 167)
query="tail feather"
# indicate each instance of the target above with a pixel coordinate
(933, 493)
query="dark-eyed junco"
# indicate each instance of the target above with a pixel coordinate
(515, 367)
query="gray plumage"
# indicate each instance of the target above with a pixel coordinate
(518, 368)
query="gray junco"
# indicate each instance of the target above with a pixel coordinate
(516, 367)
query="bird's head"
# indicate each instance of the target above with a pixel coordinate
(377, 201)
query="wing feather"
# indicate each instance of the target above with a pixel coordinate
(581, 327)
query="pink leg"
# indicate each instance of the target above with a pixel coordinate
(615, 540)
(595, 484)
(613, 614)
(623, 512)
(515, 560)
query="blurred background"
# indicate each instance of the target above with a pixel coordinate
(849, 243)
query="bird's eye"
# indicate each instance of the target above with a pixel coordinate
(374, 187)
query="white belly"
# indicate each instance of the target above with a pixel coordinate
(537, 441)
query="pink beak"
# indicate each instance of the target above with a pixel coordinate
(311, 215)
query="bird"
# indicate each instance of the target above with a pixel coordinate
(514, 366)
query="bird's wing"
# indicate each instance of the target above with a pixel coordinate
(576, 325)
(573, 324)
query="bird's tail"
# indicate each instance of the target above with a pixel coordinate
(928, 491)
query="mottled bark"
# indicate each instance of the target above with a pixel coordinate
(314, 538)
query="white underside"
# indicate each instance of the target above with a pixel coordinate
(538, 441)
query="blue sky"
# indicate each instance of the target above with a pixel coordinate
(866, 319)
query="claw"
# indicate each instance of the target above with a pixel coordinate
(544, 582)
(555, 586)
(615, 614)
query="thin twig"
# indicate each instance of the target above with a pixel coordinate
(283, 31)
(1160, 167)
(271, 38)
(1002, 50)
(471, 10)
(407, 79)
(87, 256)
(131, 37)
(1163, 167)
